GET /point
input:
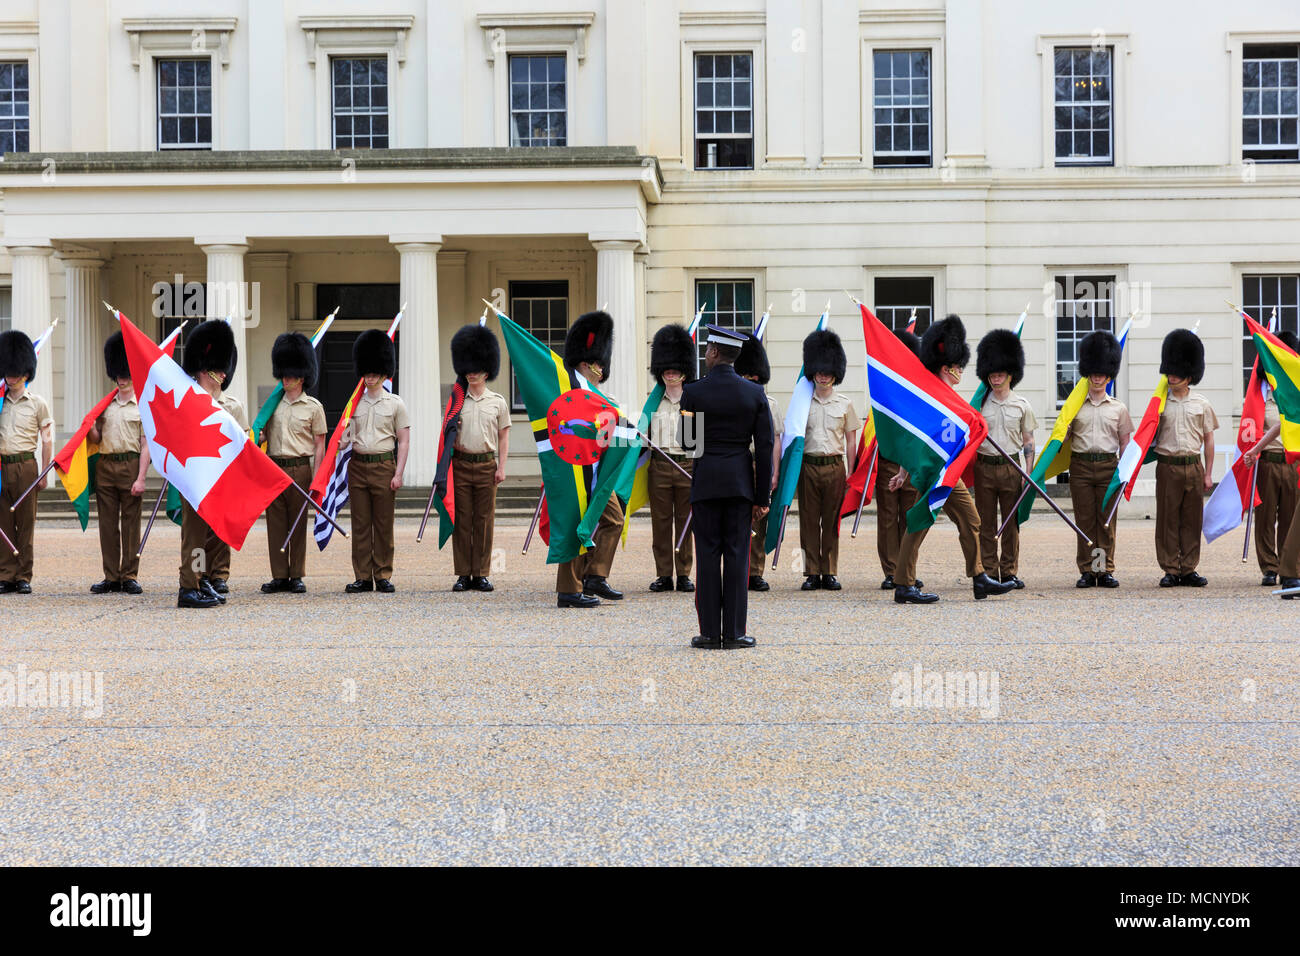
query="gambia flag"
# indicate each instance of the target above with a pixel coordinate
(586, 450)
(921, 423)
(75, 462)
(1139, 450)
(792, 439)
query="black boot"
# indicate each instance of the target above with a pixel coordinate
(661, 584)
(911, 594)
(462, 583)
(194, 597)
(1289, 583)
(685, 584)
(983, 586)
(593, 584)
(757, 583)
(209, 587)
(576, 599)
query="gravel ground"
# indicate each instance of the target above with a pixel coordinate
(1136, 726)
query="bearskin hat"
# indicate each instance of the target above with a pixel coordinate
(475, 349)
(944, 343)
(672, 349)
(590, 339)
(293, 356)
(1099, 354)
(210, 347)
(373, 353)
(1000, 351)
(1290, 340)
(910, 339)
(752, 360)
(823, 354)
(1183, 355)
(17, 355)
(115, 363)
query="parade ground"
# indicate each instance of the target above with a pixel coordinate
(1136, 726)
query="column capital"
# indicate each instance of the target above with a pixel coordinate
(33, 249)
(415, 242)
(608, 242)
(211, 244)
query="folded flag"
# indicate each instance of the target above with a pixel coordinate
(920, 422)
(862, 481)
(1139, 450)
(1236, 493)
(444, 481)
(1281, 368)
(1055, 456)
(197, 446)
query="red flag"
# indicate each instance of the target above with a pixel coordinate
(862, 482)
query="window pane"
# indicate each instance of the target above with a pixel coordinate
(704, 66)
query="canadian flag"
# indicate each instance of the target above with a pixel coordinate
(196, 445)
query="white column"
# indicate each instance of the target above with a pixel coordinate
(419, 376)
(31, 302)
(227, 295)
(84, 382)
(616, 288)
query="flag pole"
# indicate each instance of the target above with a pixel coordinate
(1046, 497)
(686, 527)
(1014, 508)
(863, 500)
(319, 510)
(39, 479)
(1250, 513)
(9, 544)
(532, 525)
(776, 553)
(153, 514)
(294, 527)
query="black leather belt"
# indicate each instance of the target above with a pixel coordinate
(822, 459)
(20, 457)
(1093, 456)
(1178, 459)
(371, 459)
(121, 455)
(998, 459)
(291, 462)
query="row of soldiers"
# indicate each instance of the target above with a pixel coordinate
(379, 436)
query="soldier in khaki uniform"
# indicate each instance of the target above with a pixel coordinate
(25, 422)
(1000, 363)
(1184, 448)
(380, 433)
(893, 503)
(1276, 482)
(944, 353)
(752, 364)
(1097, 435)
(832, 428)
(588, 349)
(295, 440)
(210, 358)
(672, 363)
(482, 445)
(120, 471)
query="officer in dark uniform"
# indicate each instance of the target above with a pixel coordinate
(721, 414)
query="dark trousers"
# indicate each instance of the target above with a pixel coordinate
(1180, 511)
(598, 560)
(721, 527)
(202, 552)
(1088, 483)
(119, 517)
(280, 515)
(371, 501)
(19, 525)
(476, 502)
(891, 515)
(670, 503)
(1276, 484)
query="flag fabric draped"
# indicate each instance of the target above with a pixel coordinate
(75, 462)
(586, 450)
(862, 482)
(920, 422)
(1235, 494)
(258, 429)
(197, 446)
(444, 481)
(1055, 456)
(792, 439)
(1139, 450)
(1281, 368)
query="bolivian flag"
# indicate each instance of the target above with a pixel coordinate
(75, 462)
(1281, 367)
(586, 450)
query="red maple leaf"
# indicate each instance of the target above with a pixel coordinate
(178, 429)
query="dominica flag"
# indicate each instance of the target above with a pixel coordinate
(258, 429)
(75, 462)
(796, 424)
(1055, 456)
(329, 487)
(586, 450)
(982, 390)
(921, 423)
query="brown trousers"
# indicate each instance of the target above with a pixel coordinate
(670, 503)
(280, 515)
(997, 488)
(1088, 483)
(1288, 564)
(1276, 484)
(371, 500)
(202, 552)
(757, 556)
(598, 560)
(960, 507)
(19, 525)
(119, 517)
(1180, 510)
(476, 504)
(821, 492)
(891, 515)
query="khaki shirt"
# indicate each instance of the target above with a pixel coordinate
(481, 421)
(234, 409)
(778, 423)
(1272, 417)
(1184, 424)
(829, 422)
(120, 431)
(292, 429)
(21, 423)
(1007, 421)
(374, 425)
(663, 425)
(1096, 429)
